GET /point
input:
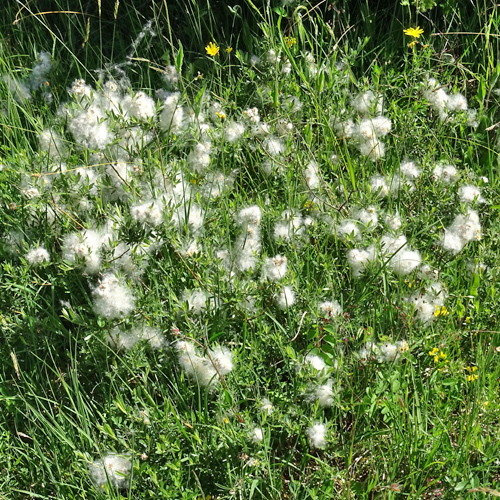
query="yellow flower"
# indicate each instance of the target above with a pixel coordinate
(222, 116)
(473, 376)
(440, 311)
(438, 355)
(290, 41)
(467, 319)
(212, 49)
(309, 205)
(412, 44)
(414, 32)
(229, 50)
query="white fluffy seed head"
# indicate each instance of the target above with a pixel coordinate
(112, 300)
(405, 261)
(256, 435)
(456, 102)
(196, 299)
(343, 129)
(393, 222)
(329, 309)
(465, 228)
(222, 357)
(359, 259)
(311, 175)
(470, 194)
(275, 268)
(346, 229)
(37, 256)
(366, 103)
(113, 469)
(410, 169)
(266, 406)
(286, 298)
(274, 146)
(199, 158)
(149, 213)
(317, 435)
(51, 143)
(372, 148)
(234, 131)
(204, 369)
(250, 216)
(321, 393)
(315, 361)
(445, 173)
(378, 185)
(140, 106)
(368, 216)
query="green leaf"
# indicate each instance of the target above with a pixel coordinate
(395, 385)
(474, 285)
(179, 58)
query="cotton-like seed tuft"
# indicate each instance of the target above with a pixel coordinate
(321, 393)
(256, 435)
(140, 106)
(329, 309)
(233, 131)
(148, 213)
(112, 300)
(37, 256)
(196, 299)
(368, 216)
(275, 268)
(315, 361)
(285, 298)
(465, 228)
(366, 103)
(317, 435)
(410, 169)
(113, 469)
(274, 146)
(445, 173)
(470, 194)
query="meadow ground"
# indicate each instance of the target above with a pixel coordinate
(249, 251)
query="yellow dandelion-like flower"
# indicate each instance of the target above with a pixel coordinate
(414, 32)
(229, 50)
(222, 116)
(212, 49)
(412, 44)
